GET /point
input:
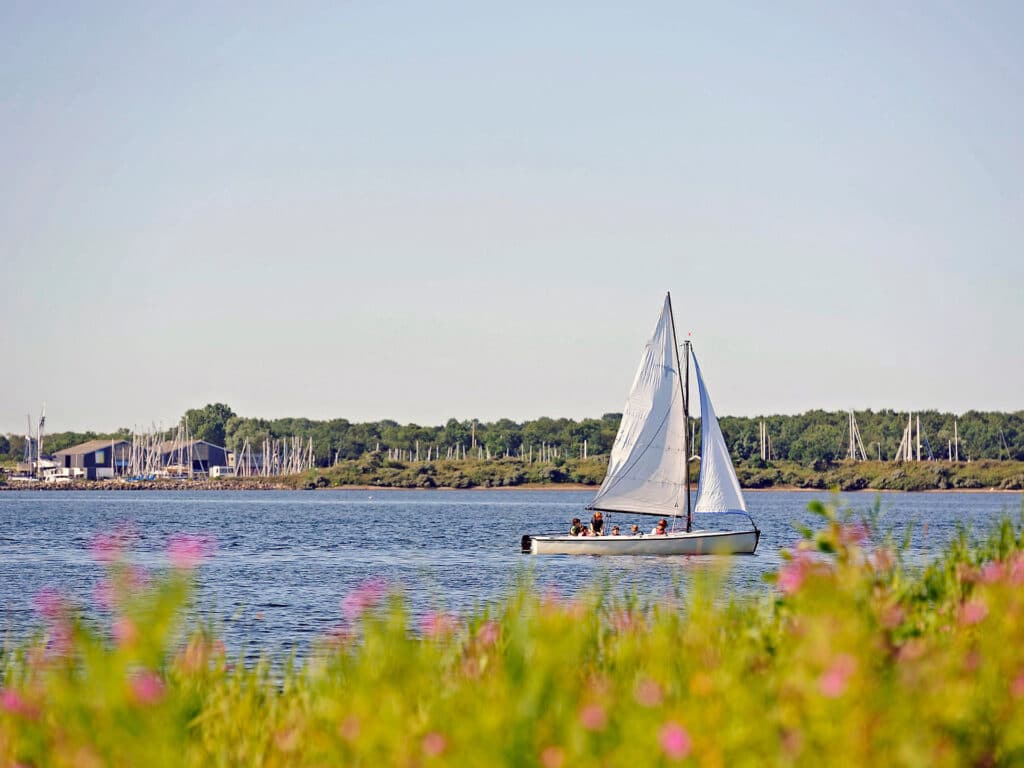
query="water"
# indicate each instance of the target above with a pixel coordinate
(285, 559)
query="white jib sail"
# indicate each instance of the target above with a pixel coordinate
(645, 470)
(718, 490)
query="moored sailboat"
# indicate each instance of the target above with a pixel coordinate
(648, 470)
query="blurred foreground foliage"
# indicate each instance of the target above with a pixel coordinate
(853, 657)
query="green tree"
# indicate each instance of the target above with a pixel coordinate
(208, 423)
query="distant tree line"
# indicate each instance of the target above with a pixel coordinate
(807, 438)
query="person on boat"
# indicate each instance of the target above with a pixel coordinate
(615, 530)
(576, 528)
(661, 528)
(597, 525)
(634, 530)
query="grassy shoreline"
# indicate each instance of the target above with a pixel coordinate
(375, 472)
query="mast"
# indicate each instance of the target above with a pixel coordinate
(684, 389)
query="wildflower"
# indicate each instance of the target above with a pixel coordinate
(364, 597)
(892, 616)
(187, 551)
(833, 681)
(792, 574)
(855, 533)
(49, 604)
(434, 744)
(11, 701)
(108, 547)
(125, 632)
(488, 633)
(882, 559)
(593, 717)
(675, 741)
(349, 728)
(648, 693)
(1017, 686)
(992, 572)
(437, 625)
(146, 687)
(552, 757)
(972, 612)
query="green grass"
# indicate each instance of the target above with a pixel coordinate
(849, 658)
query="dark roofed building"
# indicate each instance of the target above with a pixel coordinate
(98, 458)
(203, 454)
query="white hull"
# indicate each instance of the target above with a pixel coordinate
(692, 543)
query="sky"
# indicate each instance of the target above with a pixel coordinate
(419, 211)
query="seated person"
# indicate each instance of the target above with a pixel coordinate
(576, 528)
(615, 530)
(634, 530)
(661, 528)
(597, 525)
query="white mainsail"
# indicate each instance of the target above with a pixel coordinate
(645, 470)
(718, 490)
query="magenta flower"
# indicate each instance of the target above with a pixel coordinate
(1017, 687)
(364, 597)
(675, 741)
(552, 757)
(186, 551)
(648, 693)
(834, 680)
(11, 701)
(792, 574)
(437, 625)
(972, 612)
(124, 630)
(146, 687)
(992, 572)
(108, 547)
(50, 604)
(593, 717)
(434, 744)
(488, 634)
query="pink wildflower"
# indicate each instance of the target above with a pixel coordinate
(552, 757)
(108, 547)
(434, 744)
(364, 597)
(834, 680)
(675, 741)
(437, 625)
(855, 533)
(892, 616)
(11, 701)
(147, 688)
(792, 574)
(50, 604)
(593, 717)
(1017, 687)
(186, 551)
(349, 728)
(124, 630)
(648, 693)
(992, 572)
(972, 612)
(488, 634)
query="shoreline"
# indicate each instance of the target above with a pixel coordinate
(233, 485)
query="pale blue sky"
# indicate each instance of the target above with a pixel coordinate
(418, 211)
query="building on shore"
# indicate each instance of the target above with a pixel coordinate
(191, 456)
(99, 459)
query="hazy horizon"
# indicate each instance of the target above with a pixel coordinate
(416, 213)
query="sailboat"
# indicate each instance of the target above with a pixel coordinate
(648, 470)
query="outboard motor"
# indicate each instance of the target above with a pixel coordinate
(525, 544)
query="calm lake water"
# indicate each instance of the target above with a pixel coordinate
(284, 560)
